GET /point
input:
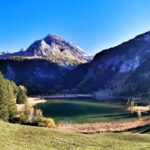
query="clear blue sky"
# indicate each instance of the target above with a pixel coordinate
(91, 24)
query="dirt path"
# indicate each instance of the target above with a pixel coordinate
(32, 101)
(104, 127)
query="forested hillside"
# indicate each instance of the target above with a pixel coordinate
(37, 75)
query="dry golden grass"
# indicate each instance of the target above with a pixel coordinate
(140, 108)
(104, 127)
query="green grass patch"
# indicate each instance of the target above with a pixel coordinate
(17, 137)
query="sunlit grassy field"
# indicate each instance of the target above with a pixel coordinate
(17, 137)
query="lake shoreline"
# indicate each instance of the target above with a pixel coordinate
(91, 128)
(67, 96)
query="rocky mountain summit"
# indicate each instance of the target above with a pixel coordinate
(55, 49)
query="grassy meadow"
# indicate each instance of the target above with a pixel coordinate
(18, 137)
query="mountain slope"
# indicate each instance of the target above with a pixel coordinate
(56, 50)
(38, 75)
(121, 70)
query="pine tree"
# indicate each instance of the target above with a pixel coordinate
(12, 108)
(4, 114)
(8, 107)
(15, 88)
(21, 96)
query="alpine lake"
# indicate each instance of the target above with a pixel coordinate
(85, 110)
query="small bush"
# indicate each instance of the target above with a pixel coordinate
(46, 122)
(23, 119)
(31, 116)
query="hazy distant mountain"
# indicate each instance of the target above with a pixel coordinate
(56, 50)
(121, 70)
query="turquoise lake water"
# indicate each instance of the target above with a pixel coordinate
(82, 110)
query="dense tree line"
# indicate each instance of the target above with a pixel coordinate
(10, 94)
